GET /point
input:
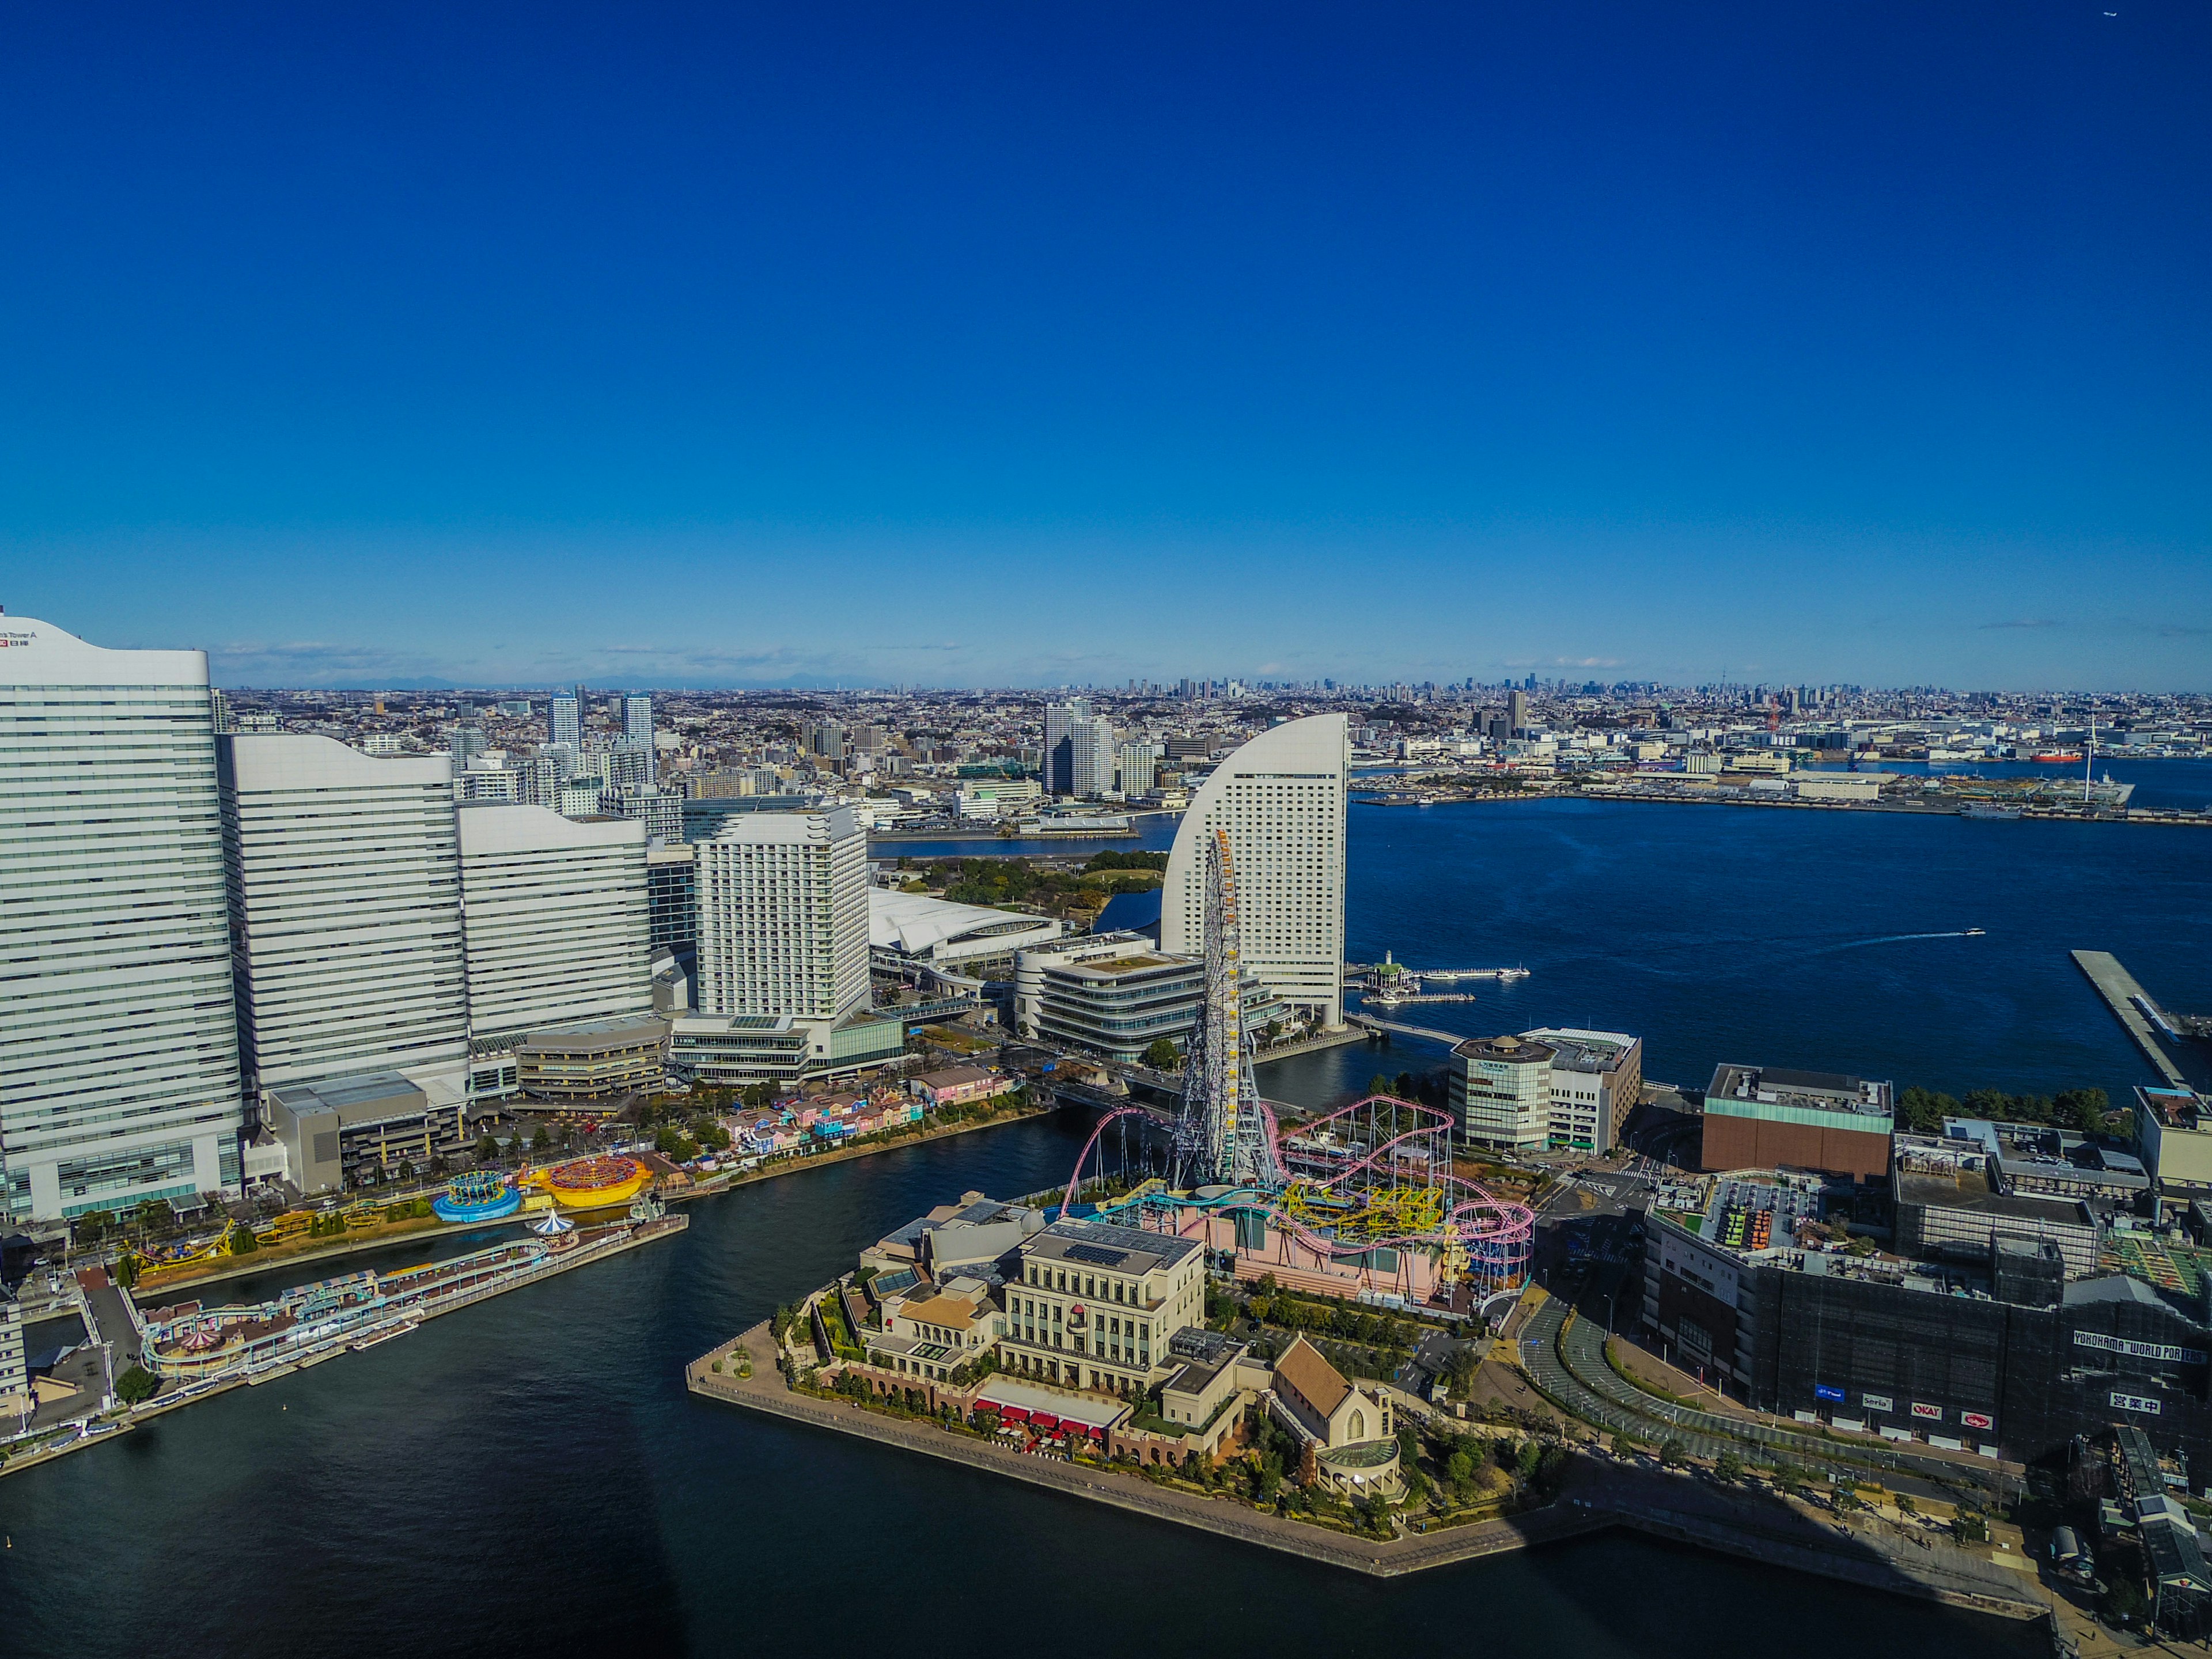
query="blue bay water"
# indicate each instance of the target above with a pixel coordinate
(1822, 939)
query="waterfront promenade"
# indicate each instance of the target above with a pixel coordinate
(1771, 1530)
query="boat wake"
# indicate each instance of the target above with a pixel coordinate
(1900, 939)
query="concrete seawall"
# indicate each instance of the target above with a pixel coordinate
(1667, 1507)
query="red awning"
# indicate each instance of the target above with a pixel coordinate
(1011, 1413)
(1044, 1420)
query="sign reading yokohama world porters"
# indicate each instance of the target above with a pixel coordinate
(2136, 1402)
(2138, 1350)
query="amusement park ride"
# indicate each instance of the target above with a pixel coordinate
(1360, 1202)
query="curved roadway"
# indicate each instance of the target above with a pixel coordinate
(1568, 1362)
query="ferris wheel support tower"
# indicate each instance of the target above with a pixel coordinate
(1222, 1136)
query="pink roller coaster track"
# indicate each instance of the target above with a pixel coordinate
(1492, 1230)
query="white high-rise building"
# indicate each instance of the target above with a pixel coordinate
(556, 918)
(783, 915)
(1093, 747)
(1138, 766)
(637, 719)
(565, 721)
(1281, 798)
(118, 1048)
(346, 909)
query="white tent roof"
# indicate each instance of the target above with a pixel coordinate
(916, 924)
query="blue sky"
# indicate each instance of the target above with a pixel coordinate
(1049, 345)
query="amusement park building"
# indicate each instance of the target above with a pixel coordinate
(1281, 800)
(346, 909)
(118, 1078)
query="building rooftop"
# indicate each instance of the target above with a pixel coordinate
(1306, 1369)
(338, 1094)
(1970, 1190)
(1511, 1050)
(1107, 1245)
(1115, 967)
(1774, 1087)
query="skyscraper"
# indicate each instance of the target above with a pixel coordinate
(346, 909)
(783, 915)
(555, 918)
(1091, 754)
(637, 718)
(1060, 719)
(1281, 800)
(468, 743)
(1516, 713)
(566, 721)
(118, 1053)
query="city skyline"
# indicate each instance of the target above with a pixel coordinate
(796, 349)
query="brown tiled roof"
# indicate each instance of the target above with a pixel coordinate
(1318, 1382)
(950, 1310)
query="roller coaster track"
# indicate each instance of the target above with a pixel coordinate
(1481, 1222)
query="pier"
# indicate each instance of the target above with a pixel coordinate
(2132, 1006)
(1450, 1039)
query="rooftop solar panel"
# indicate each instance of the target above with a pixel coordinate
(1097, 1254)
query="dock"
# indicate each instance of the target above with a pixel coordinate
(2132, 1006)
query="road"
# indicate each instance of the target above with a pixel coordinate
(1572, 1369)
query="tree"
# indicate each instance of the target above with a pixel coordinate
(135, 1384)
(1674, 1452)
(487, 1149)
(541, 1143)
(1727, 1468)
(242, 1241)
(1273, 1031)
(1162, 1056)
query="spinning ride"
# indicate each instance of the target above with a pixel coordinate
(479, 1195)
(594, 1183)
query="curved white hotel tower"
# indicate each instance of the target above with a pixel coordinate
(1281, 800)
(118, 1051)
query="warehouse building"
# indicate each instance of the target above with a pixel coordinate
(1765, 1117)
